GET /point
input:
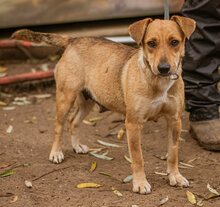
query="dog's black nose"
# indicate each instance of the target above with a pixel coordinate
(163, 68)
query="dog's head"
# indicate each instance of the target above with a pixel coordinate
(162, 42)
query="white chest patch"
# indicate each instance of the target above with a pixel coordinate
(160, 100)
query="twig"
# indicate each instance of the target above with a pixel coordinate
(45, 174)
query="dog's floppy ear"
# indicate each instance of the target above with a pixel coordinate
(137, 29)
(187, 25)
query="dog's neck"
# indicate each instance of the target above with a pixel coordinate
(160, 85)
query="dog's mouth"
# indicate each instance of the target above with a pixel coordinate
(171, 76)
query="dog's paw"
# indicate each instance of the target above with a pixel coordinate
(178, 180)
(56, 157)
(141, 186)
(80, 148)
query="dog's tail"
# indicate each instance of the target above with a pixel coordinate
(38, 37)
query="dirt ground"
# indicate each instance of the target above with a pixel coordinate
(26, 150)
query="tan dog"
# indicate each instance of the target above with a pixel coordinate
(143, 84)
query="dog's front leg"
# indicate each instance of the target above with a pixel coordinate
(140, 184)
(174, 130)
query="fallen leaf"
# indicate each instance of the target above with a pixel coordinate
(116, 192)
(20, 101)
(42, 95)
(112, 134)
(93, 166)
(6, 164)
(95, 149)
(200, 203)
(89, 123)
(191, 198)
(160, 173)
(184, 130)
(121, 133)
(88, 185)
(211, 196)
(29, 122)
(7, 173)
(7, 95)
(3, 69)
(101, 156)
(163, 157)
(95, 119)
(127, 158)
(14, 200)
(156, 131)
(10, 129)
(44, 67)
(26, 164)
(182, 139)
(2, 103)
(163, 201)
(134, 206)
(128, 179)
(212, 190)
(2, 75)
(104, 173)
(186, 164)
(190, 161)
(28, 184)
(9, 108)
(105, 153)
(107, 144)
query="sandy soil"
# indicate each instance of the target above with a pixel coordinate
(55, 185)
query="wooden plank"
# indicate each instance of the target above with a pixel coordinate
(14, 13)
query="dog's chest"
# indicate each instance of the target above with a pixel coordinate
(157, 103)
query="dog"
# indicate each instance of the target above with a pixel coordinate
(142, 84)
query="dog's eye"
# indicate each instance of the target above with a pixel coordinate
(152, 44)
(174, 43)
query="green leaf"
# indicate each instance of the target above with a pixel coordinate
(7, 173)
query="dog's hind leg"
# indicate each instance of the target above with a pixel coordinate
(82, 109)
(174, 130)
(65, 98)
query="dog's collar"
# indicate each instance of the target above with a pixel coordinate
(174, 76)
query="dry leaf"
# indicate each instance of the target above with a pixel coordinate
(88, 185)
(28, 184)
(20, 101)
(107, 144)
(163, 201)
(104, 173)
(212, 190)
(2, 103)
(105, 153)
(10, 129)
(101, 156)
(192, 160)
(191, 198)
(3, 69)
(116, 192)
(95, 149)
(200, 203)
(128, 179)
(93, 166)
(184, 130)
(9, 108)
(2, 75)
(95, 119)
(42, 95)
(14, 200)
(112, 134)
(160, 173)
(127, 158)
(29, 122)
(89, 123)
(7, 164)
(163, 157)
(121, 133)
(185, 164)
